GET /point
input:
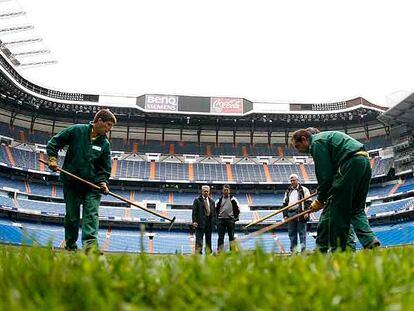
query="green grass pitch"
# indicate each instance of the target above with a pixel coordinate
(43, 279)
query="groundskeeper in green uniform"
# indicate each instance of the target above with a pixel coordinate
(89, 157)
(344, 172)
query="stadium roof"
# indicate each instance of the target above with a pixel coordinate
(24, 97)
(203, 110)
(278, 51)
(19, 41)
(401, 113)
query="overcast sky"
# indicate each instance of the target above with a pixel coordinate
(265, 51)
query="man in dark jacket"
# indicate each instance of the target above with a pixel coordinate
(204, 217)
(343, 171)
(228, 211)
(89, 157)
(294, 193)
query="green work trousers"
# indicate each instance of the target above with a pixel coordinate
(76, 195)
(346, 207)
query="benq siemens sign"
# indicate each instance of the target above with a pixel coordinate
(161, 102)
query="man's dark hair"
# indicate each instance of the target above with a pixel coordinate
(105, 115)
(226, 186)
(297, 135)
(313, 130)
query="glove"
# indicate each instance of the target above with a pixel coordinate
(104, 187)
(52, 163)
(316, 206)
(195, 225)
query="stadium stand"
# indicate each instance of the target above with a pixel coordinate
(377, 142)
(398, 234)
(265, 199)
(181, 148)
(379, 208)
(40, 207)
(122, 240)
(379, 191)
(46, 189)
(149, 148)
(281, 172)
(210, 172)
(245, 173)
(382, 167)
(407, 186)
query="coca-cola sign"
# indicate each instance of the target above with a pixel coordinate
(161, 102)
(226, 105)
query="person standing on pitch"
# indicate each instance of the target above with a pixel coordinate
(343, 171)
(89, 157)
(203, 217)
(228, 211)
(294, 193)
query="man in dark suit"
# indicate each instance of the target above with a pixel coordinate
(204, 217)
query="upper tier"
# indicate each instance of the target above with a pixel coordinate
(168, 168)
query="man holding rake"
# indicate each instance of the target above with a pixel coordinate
(343, 171)
(89, 157)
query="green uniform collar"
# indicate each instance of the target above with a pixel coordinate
(310, 143)
(97, 138)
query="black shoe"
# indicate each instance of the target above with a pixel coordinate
(374, 244)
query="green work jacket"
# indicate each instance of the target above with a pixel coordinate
(329, 150)
(90, 160)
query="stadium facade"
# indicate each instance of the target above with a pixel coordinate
(165, 146)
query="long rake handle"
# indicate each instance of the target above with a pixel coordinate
(279, 211)
(273, 226)
(92, 185)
